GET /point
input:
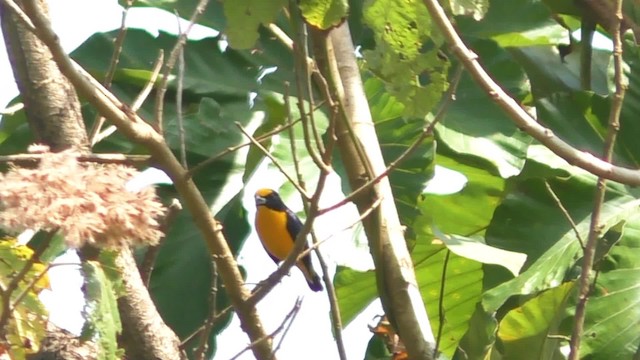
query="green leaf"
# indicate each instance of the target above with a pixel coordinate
(458, 296)
(355, 290)
(474, 8)
(527, 222)
(396, 134)
(480, 337)
(209, 70)
(550, 73)
(324, 14)
(27, 321)
(625, 254)
(244, 17)
(535, 25)
(103, 317)
(476, 249)
(525, 330)
(470, 210)
(474, 125)
(405, 56)
(613, 315)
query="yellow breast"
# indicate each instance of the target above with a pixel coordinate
(271, 226)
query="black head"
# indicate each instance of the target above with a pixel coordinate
(269, 198)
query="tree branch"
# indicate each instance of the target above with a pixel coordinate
(137, 130)
(595, 227)
(52, 113)
(519, 116)
(394, 271)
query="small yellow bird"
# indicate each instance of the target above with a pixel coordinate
(277, 228)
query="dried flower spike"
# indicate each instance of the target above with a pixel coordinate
(87, 202)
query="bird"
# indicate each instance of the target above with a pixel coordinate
(277, 227)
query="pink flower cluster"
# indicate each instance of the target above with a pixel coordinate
(86, 202)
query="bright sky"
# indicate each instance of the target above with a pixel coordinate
(310, 333)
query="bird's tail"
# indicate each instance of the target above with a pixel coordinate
(314, 281)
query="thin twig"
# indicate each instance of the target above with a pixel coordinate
(139, 131)
(179, 87)
(171, 61)
(289, 321)
(275, 162)
(520, 116)
(334, 309)
(231, 149)
(336, 321)
(564, 211)
(286, 322)
(155, 72)
(111, 70)
(149, 260)
(595, 228)
(441, 318)
(139, 100)
(29, 287)
(201, 351)
(302, 75)
(281, 35)
(426, 132)
(97, 158)
(202, 327)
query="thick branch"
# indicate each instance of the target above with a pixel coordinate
(137, 130)
(394, 271)
(519, 116)
(144, 334)
(51, 102)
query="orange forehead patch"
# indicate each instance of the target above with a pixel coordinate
(264, 192)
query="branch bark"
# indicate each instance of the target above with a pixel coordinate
(519, 116)
(53, 113)
(144, 334)
(137, 130)
(51, 102)
(362, 157)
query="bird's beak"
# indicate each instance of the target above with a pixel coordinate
(260, 200)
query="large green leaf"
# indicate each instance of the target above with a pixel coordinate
(628, 143)
(550, 73)
(396, 134)
(209, 70)
(613, 317)
(406, 56)
(103, 317)
(525, 331)
(470, 210)
(528, 222)
(451, 287)
(534, 26)
(244, 17)
(355, 290)
(475, 126)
